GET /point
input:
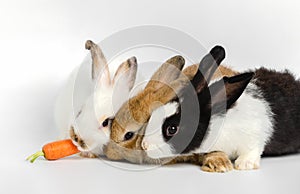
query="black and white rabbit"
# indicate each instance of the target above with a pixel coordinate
(246, 116)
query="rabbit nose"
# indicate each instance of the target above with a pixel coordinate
(145, 145)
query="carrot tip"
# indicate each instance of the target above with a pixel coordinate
(34, 156)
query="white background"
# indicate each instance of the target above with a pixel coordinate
(42, 41)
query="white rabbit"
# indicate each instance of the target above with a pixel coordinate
(83, 114)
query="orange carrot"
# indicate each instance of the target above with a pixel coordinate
(55, 150)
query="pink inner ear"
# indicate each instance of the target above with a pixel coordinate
(104, 77)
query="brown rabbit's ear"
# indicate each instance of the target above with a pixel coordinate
(199, 78)
(191, 71)
(207, 67)
(127, 72)
(99, 63)
(167, 93)
(225, 92)
(222, 70)
(168, 72)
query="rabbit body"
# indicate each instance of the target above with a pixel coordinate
(261, 117)
(264, 121)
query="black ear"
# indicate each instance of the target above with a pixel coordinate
(207, 67)
(225, 92)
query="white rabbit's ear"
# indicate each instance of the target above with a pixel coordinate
(99, 63)
(168, 72)
(126, 72)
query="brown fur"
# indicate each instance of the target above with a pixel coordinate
(88, 155)
(196, 159)
(150, 100)
(209, 162)
(172, 66)
(222, 70)
(216, 162)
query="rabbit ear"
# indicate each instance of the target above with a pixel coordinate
(168, 72)
(169, 92)
(165, 83)
(191, 71)
(225, 92)
(126, 72)
(207, 67)
(99, 63)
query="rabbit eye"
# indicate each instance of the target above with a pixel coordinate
(105, 122)
(128, 136)
(172, 130)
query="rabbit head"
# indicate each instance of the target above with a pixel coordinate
(90, 129)
(184, 130)
(128, 125)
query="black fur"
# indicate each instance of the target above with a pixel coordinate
(282, 91)
(225, 92)
(191, 122)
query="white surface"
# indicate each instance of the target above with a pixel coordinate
(42, 41)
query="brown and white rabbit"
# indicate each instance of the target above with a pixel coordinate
(87, 125)
(127, 129)
(261, 117)
(132, 116)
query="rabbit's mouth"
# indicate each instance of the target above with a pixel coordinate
(82, 146)
(79, 142)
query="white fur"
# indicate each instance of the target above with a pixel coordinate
(153, 142)
(244, 131)
(65, 112)
(67, 106)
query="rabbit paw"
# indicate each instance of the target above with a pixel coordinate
(246, 163)
(88, 155)
(216, 162)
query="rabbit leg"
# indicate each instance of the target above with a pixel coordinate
(210, 162)
(216, 162)
(248, 161)
(88, 155)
